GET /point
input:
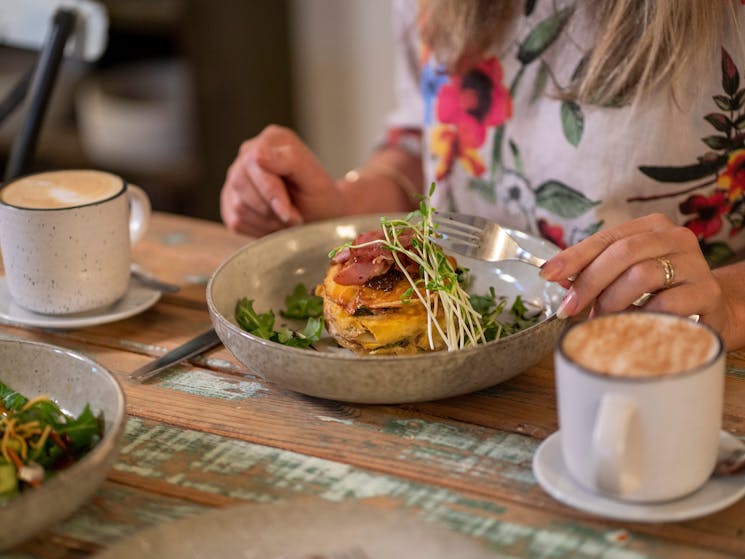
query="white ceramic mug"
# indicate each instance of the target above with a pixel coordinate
(640, 404)
(66, 238)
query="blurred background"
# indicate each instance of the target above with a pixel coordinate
(183, 82)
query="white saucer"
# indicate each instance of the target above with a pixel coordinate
(135, 300)
(716, 494)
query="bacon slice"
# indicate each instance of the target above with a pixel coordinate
(361, 264)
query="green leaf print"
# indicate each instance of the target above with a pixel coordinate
(740, 122)
(579, 234)
(717, 253)
(719, 121)
(738, 99)
(594, 228)
(539, 82)
(516, 81)
(519, 167)
(717, 142)
(730, 75)
(543, 35)
(685, 173)
(484, 187)
(562, 200)
(496, 155)
(579, 70)
(572, 122)
(725, 103)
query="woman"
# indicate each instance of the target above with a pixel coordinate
(611, 127)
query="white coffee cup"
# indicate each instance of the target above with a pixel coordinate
(640, 404)
(66, 238)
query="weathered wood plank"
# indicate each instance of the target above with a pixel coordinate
(178, 472)
(525, 404)
(463, 461)
(186, 251)
(115, 512)
(388, 439)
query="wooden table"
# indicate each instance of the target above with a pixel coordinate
(210, 434)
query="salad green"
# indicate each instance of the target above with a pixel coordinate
(298, 304)
(38, 439)
(468, 319)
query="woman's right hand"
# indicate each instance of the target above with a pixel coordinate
(276, 182)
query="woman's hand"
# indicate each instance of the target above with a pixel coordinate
(275, 182)
(614, 267)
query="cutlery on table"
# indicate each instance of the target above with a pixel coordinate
(147, 279)
(201, 343)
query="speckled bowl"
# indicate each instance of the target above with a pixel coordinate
(266, 270)
(72, 380)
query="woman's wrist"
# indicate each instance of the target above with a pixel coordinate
(386, 183)
(378, 171)
(733, 293)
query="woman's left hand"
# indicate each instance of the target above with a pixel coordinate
(615, 267)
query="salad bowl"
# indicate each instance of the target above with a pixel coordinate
(72, 381)
(267, 270)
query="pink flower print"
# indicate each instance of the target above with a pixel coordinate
(469, 104)
(708, 212)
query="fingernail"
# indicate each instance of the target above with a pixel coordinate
(568, 305)
(280, 210)
(551, 270)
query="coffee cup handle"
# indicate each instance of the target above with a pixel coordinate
(139, 213)
(611, 460)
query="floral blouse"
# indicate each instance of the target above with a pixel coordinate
(498, 142)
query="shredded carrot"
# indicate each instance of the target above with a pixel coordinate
(57, 439)
(43, 438)
(7, 433)
(14, 458)
(34, 401)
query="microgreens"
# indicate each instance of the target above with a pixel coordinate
(468, 320)
(437, 275)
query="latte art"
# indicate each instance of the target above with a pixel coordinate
(61, 189)
(640, 345)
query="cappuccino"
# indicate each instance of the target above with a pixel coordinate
(640, 397)
(635, 344)
(61, 189)
(66, 238)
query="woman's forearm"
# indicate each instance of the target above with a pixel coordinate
(389, 181)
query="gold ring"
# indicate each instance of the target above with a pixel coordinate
(667, 267)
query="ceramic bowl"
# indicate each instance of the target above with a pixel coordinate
(72, 380)
(266, 271)
(300, 528)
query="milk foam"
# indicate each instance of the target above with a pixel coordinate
(61, 189)
(638, 344)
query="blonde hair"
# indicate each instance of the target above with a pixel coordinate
(640, 46)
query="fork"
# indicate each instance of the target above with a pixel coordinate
(477, 237)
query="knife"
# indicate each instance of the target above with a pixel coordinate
(195, 346)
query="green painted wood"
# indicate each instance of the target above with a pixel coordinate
(245, 472)
(390, 445)
(248, 472)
